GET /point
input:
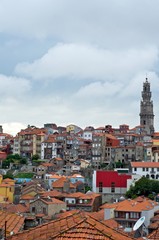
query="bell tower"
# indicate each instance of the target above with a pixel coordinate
(146, 109)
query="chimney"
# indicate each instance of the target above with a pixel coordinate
(66, 186)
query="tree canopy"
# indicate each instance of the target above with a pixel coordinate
(15, 159)
(35, 157)
(144, 186)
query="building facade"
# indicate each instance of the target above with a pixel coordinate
(110, 184)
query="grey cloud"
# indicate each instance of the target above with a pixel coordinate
(13, 86)
(107, 23)
(78, 61)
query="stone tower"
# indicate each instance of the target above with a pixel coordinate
(146, 109)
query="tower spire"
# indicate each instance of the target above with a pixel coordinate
(146, 109)
(146, 78)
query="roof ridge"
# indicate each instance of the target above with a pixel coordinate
(76, 223)
(104, 225)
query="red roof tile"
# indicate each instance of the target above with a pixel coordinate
(145, 164)
(60, 183)
(135, 205)
(76, 226)
(14, 222)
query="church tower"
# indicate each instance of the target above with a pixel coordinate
(146, 109)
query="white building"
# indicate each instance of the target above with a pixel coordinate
(16, 146)
(146, 169)
(48, 149)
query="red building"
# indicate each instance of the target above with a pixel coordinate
(110, 184)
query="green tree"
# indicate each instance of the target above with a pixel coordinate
(16, 159)
(8, 175)
(23, 161)
(35, 157)
(6, 163)
(143, 186)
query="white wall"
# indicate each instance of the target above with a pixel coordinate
(94, 182)
(70, 200)
(132, 181)
(144, 171)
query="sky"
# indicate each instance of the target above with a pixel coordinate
(77, 62)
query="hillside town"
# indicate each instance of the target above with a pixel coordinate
(65, 182)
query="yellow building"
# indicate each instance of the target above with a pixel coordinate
(73, 129)
(7, 187)
(30, 141)
(155, 142)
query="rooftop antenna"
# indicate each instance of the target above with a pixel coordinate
(138, 227)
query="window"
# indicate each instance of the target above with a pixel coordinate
(100, 187)
(120, 214)
(33, 209)
(134, 215)
(143, 169)
(44, 210)
(135, 169)
(157, 169)
(113, 187)
(147, 169)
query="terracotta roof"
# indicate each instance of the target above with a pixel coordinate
(47, 164)
(145, 164)
(56, 176)
(97, 215)
(14, 222)
(78, 183)
(18, 208)
(49, 201)
(77, 226)
(66, 214)
(139, 144)
(41, 134)
(50, 140)
(76, 176)
(53, 193)
(3, 155)
(40, 215)
(60, 183)
(27, 197)
(8, 180)
(154, 235)
(136, 205)
(109, 205)
(156, 134)
(112, 223)
(100, 128)
(155, 140)
(6, 184)
(58, 159)
(75, 195)
(154, 225)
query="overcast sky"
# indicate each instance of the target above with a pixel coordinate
(82, 62)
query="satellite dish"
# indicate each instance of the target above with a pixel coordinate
(139, 223)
